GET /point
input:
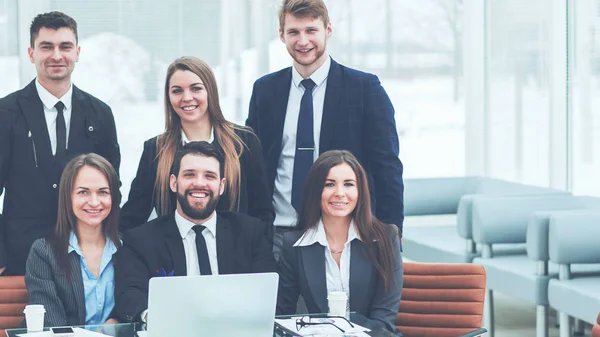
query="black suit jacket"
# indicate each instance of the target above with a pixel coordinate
(255, 199)
(242, 247)
(358, 116)
(28, 173)
(302, 272)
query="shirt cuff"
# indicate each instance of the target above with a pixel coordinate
(143, 315)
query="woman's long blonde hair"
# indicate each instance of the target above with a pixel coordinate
(224, 131)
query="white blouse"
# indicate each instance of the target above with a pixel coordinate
(338, 278)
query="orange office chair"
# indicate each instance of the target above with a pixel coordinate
(596, 328)
(442, 300)
(13, 299)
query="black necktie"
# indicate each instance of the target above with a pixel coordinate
(61, 134)
(203, 260)
(305, 146)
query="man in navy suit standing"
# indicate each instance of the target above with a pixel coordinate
(319, 105)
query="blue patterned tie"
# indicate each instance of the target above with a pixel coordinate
(305, 146)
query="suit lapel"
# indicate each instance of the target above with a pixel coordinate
(33, 110)
(361, 277)
(77, 283)
(313, 262)
(279, 108)
(175, 246)
(331, 107)
(225, 247)
(78, 117)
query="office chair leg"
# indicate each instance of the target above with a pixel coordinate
(554, 316)
(488, 312)
(565, 324)
(541, 322)
(578, 327)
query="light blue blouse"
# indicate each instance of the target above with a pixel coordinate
(99, 292)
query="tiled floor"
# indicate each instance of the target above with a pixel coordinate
(515, 318)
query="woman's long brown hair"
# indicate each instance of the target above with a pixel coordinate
(167, 143)
(372, 232)
(66, 220)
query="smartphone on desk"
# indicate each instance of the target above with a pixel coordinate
(62, 332)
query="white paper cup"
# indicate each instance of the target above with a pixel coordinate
(337, 303)
(34, 317)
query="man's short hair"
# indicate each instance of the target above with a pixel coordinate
(52, 20)
(302, 9)
(200, 149)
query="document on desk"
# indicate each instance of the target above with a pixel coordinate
(78, 332)
(324, 329)
(36, 334)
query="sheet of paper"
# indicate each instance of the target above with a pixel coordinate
(142, 334)
(323, 330)
(78, 333)
(36, 334)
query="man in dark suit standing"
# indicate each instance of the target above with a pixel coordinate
(319, 105)
(195, 240)
(42, 127)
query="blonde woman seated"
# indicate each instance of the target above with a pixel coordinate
(72, 272)
(341, 246)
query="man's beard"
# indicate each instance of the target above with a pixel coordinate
(195, 212)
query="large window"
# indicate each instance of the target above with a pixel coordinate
(9, 60)
(416, 49)
(518, 97)
(585, 108)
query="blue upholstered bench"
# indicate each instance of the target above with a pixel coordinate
(452, 242)
(522, 220)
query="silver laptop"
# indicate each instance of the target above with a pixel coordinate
(215, 306)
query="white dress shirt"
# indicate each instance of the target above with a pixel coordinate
(285, 213)
(50, 112)
(338, 278)
(185, 140)
(189, 237)
(189, 243)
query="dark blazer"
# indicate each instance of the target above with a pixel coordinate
(255, 198)
(358, 116)
(242, 247)
(28, 172)
(62, 297)
(302, 272)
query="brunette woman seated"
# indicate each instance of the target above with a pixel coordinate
(72, 272)
(341, 246)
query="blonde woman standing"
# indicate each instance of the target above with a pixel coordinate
(193, 113)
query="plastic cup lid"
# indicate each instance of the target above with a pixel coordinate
(34, 308)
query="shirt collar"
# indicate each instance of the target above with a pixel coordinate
(74, 245)
(50, 100)
(319, 76)
(317, 235)
(185, 140)
(184, 225)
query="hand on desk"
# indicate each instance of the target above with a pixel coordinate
(2, 270)
(111, 321)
